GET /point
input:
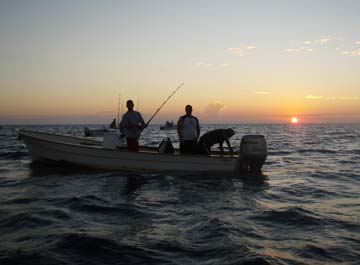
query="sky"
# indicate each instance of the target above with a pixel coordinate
(69, 62)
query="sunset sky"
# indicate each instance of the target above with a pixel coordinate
(240, 61)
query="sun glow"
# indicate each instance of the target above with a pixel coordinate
(294, 120)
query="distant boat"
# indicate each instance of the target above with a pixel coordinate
(88, 132)
(91, 153)
(168, 126)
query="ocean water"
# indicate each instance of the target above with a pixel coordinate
(304, 210)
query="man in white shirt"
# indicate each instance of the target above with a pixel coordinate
(188, 129)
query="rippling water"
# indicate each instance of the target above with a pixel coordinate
(305, 211)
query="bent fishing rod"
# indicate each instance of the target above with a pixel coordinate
(162, 105)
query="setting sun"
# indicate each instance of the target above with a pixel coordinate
(294, 120)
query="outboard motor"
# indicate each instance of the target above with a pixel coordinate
(113, 140)
(252, 154)
(166, 146)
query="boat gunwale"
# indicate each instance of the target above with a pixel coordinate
(122, 150)
(22, 131)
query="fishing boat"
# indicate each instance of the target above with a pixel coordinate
(89, 132)
(92, 153)
(168, 126)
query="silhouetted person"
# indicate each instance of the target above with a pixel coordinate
(132, 125)
(218, 136)
(188, 129)
(113, 124)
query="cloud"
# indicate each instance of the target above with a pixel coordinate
(331, 97)
(208, 65)
(347, 98)
(313, 97)
(322, 41)
(309, 45)
(351, 53)
(213, 109)
(203, 65)
(262, 92)
(299, 49)
(242, 50)
(357, 43)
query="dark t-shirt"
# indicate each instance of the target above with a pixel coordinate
(213, 137)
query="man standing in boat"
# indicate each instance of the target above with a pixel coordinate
(188, 129)
(132, 125)
(113, 124)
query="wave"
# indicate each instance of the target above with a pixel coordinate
(14, 155)
(94, 205)
(28, 257)
(24, 220)
(355, 151)
(57, 214)
(310, 192)
(8, 182)
(322, 151)
(95, 249)
(294, 216)
(310, 251)
(348, 162)
(20, 201)
(280, 153)
(327, 253)
(338, 176)
(220, 252)
(307, 150)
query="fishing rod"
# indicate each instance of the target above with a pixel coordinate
(118, 113)
(156, 112)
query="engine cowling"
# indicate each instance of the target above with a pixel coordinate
(252, 154)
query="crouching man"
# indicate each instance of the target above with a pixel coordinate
(218, 136)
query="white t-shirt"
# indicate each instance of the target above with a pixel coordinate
(131, 118)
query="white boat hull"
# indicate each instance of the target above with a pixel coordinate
(90, 153)
(94, 132)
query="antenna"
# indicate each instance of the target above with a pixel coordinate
(118, 113)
